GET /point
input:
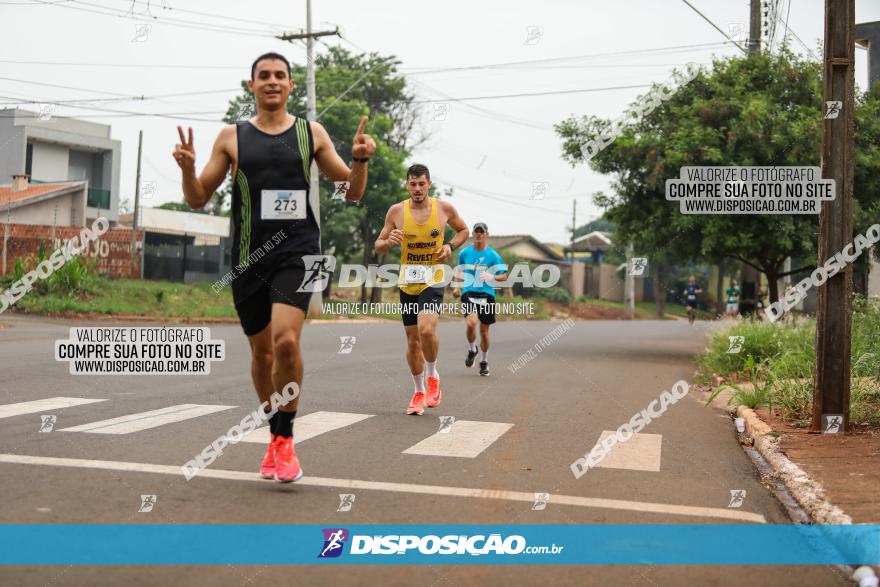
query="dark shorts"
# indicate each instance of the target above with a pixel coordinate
(427, 301)
(276, 286)
(691, 303)
(485, 311)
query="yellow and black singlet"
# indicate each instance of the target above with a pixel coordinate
(420, 241)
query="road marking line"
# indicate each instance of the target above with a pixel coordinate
(44, 405)
(639, 453)
(556, 499)
(146, 420)
(310, 426)
(464, 438)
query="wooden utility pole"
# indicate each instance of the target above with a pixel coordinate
(574, 204)
(135, 216)
(629, 292)
(755, 27)
(831, 379)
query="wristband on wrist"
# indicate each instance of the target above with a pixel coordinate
(364, 160)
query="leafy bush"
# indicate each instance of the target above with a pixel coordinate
(762, 381)
(557, 295)
(779, 358)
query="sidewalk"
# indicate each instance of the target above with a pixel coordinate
(834, 478)
(847, 467)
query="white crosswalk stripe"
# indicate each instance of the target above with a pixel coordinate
(465, 438)
(146, 420)
(310, 425)
(44, 405)
(639, 453)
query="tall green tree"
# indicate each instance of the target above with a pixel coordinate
(761, 110)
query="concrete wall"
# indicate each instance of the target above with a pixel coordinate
(13, 147)
(874, 279)
(112, 250)
(67, 210)
(51, 162)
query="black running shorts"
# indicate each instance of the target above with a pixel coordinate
(277, 285)
(484, 306)
(429, 300)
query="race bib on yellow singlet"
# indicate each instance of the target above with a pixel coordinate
(283, 205)
(415, 274)
(428, 274)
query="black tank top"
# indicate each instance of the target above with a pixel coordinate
(270, 167)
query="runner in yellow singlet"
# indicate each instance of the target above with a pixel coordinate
(417, 225)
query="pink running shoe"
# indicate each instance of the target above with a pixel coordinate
(287, 467)
(267, 467)
(416, 404)
(434, 392)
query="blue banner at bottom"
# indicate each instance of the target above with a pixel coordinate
(636, 544)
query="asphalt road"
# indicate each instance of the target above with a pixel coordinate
(531, 425)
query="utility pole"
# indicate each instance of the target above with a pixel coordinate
(629, 296)
(312, 115)
(574, 204)
(137, 201)
(749, 275)
(831, 379)
(755, 27)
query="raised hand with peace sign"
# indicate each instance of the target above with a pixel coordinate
(184, 151)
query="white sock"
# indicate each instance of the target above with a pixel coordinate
(484, 355)
(472, 346)
(431, 369)
(419, 381)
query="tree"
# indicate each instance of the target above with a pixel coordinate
(760, 110)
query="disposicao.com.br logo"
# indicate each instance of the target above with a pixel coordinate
(431, 544)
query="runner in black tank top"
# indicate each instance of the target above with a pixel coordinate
(274, 226)
(270, 193)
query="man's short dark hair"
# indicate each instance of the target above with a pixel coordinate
(418, 170)
(266, 56)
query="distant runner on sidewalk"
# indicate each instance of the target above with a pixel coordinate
(690, 298)
(733, 293)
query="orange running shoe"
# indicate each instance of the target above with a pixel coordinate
(267, 467)
(287, 467)
(416, 404)
(434, 392)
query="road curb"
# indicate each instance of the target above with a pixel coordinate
(809, 494)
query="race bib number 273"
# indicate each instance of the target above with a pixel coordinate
(283, 204)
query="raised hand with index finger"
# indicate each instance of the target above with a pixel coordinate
(363, 146)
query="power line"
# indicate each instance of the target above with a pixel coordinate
(172, 115)
(126, 65)
(212, 15)
(715, 26)
(673, 48)
(532, 94)
(107, 11)
(499, 199)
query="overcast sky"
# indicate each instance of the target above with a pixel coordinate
(490, 150)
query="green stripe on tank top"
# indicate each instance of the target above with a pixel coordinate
(244, 244)
(302, 138)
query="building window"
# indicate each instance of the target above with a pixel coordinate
(29, 159)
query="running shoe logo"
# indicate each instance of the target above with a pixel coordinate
(334, 540)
